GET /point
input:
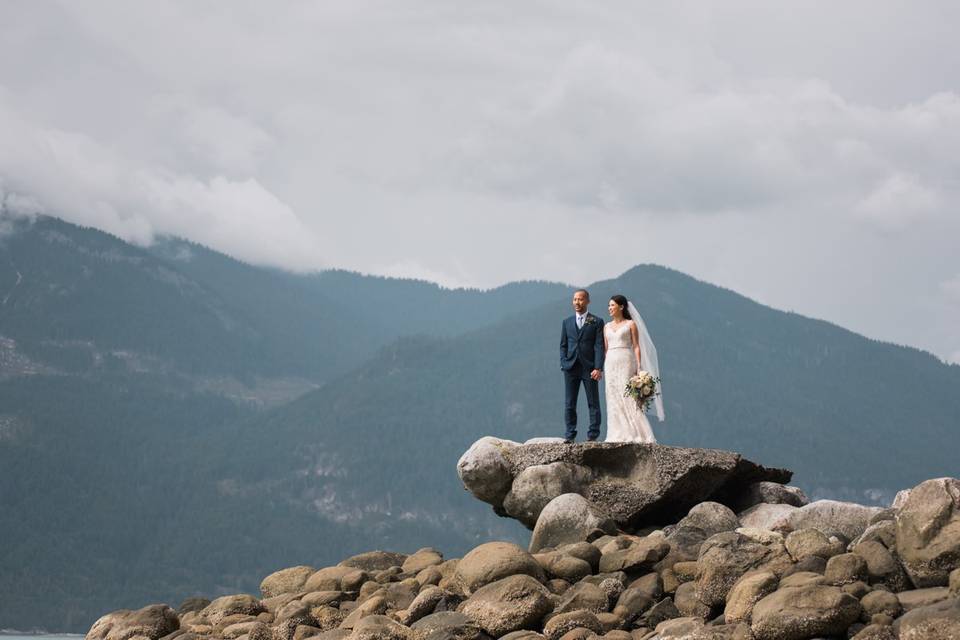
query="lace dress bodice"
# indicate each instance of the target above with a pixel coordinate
(625, 421)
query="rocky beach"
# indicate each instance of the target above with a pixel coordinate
(628, 542)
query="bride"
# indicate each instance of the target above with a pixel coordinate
(628, 349)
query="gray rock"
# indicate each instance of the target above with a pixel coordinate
(525, 634)
(195, 603)
(880, 602)
(660, 612)
(447, 625)
(289, 580)
(567, 519)
(229, 605)
(485, 470)
(328, 579)
(583, 595)
(651, 584)
(417, 562)
(725, 557)
(583, 551)
(378, 627)
(493, 561)
(928, 532)
(770, 493)
(772, 517)
(374, 560)
(640, 557)
(954, 582)
(537, 485)
(560, 565)
(883, 531)
(746, 592)
(153, 622)
(832, 517)
(421, 606)
(845, 568)
(882, 567)
(810, 564)
(631, 604)
(513, 603)
(876, 632)
(711, 518)
(685, 545)
(561, 624)
(806, 611)
(679, 629)
(689, 604)
(940, 621)
(804, 543)
(633, 483)
(918, 598)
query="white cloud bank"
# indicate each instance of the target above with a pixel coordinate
(802, 153)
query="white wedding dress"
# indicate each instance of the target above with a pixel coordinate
(625, 421)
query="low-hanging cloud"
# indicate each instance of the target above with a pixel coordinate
(74, 176)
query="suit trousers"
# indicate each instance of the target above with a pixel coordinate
(572, 379)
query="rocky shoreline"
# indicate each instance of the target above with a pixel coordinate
(629, 542)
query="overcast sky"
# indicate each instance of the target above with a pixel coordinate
(804, 154)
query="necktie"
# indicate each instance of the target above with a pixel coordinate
(579, 322)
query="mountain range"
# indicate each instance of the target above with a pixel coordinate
(174, 421)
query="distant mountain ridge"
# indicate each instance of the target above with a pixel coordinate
(162, 409)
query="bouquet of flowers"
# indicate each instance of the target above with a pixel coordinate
(643, 388)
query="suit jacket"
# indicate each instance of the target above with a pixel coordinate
(582, 345)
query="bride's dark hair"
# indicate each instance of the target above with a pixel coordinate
(622, 303)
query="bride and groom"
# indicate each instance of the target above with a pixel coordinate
(591, 350)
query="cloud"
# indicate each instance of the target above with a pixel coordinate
(72, 175)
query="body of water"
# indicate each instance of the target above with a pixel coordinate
(5, 635)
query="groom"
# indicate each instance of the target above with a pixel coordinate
(581, 358)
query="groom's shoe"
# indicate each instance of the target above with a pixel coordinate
(569, 440)
(592, 438)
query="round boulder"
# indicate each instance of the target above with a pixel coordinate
(484, 470)
(493, 561)
(417, 562)
(513, 603)
(560, 624)
(711, 518)
(770, 493)
(537, 485)
(566, 519)
(153, 622)
(231, 605)
(845, 568)
(447, 625)
(380, 628)
(374, 561)
(289, 580)
(746, 592)
(940, 621)
(807, 611)
(834, 518)
(772, 517)
(803, 543)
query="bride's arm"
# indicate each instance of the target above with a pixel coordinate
(635, 337)
(604, 339)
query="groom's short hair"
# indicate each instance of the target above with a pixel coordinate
(584, 291)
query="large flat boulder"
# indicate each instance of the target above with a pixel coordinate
(634, 484)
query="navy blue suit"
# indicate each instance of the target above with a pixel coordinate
(581, 351)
